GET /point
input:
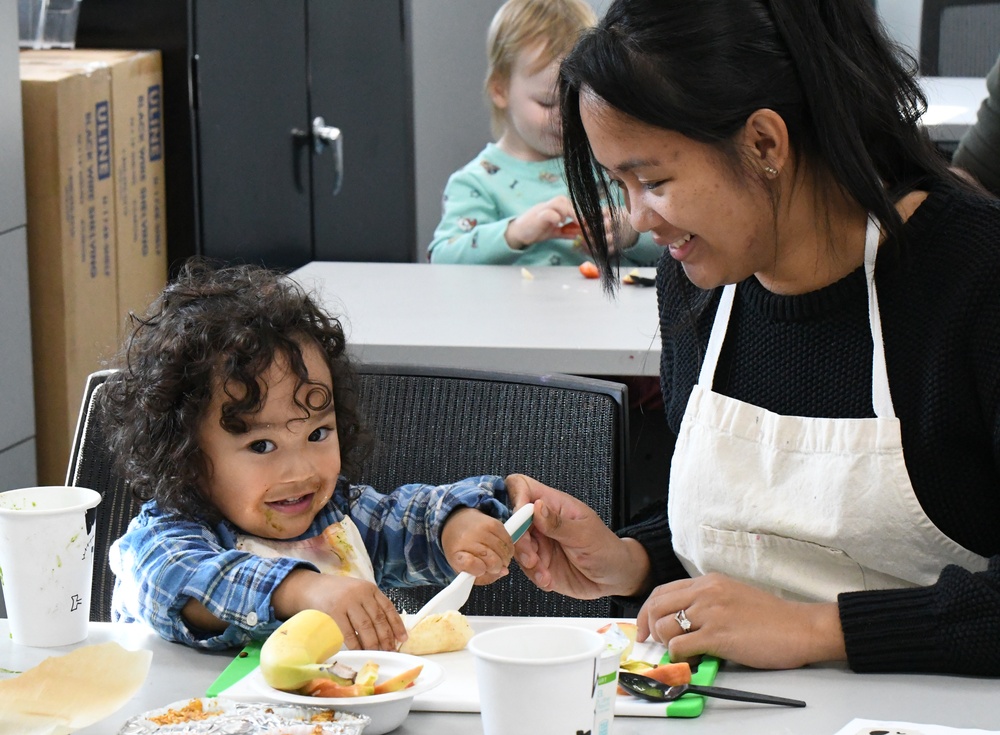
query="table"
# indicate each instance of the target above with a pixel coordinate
(834, 695)
(952, 104)
(490, 317)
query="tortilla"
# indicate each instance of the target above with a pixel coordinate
(70, 692)
(440, 633)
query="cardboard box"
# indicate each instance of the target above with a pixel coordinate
(137, 156)
(72, 261)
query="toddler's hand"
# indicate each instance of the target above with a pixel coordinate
(540, 222)
(476, 543)
(618, 233)
(366, 617)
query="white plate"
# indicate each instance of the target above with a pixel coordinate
(387, 711)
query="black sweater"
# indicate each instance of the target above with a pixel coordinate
(810, 355)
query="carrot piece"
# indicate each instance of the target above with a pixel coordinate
(670, 674)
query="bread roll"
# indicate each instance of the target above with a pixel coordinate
(439, 633)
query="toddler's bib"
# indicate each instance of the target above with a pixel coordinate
(339, 549)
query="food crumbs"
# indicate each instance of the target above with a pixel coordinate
(190, 712)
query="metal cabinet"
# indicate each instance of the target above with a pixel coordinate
(259, 99)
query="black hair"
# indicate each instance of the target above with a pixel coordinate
(217, 327)
(846, 92)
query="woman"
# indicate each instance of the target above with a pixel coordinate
(834, 491)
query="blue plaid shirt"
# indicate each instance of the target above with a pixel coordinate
(164, 560)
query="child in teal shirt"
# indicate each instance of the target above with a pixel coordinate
(510, 204)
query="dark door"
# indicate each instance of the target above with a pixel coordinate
(250, 96)
(360, 82)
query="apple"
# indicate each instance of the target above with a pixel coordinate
(400, 681)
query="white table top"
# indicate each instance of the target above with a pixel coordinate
(952, 104)
(833, 694)
(490, 317)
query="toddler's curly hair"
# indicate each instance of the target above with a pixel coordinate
(216, 327)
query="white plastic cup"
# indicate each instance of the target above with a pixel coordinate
(537, 678)
(47, 563)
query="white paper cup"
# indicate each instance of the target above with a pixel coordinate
(537, 678)
(47, 562)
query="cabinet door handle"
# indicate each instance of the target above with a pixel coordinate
(324, 135)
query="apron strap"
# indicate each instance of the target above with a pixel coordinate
(881, 397)
(717, 337)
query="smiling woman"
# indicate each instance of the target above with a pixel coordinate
(830, 322)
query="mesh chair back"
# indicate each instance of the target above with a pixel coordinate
(91, 465)
(959, 38)
(437, 426)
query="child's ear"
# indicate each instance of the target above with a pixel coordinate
(498, 88)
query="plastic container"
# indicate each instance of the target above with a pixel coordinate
(48, 23)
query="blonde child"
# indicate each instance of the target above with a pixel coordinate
(510, 204)
(234, 416)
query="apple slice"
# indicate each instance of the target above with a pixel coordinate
(400, 681)
(326, 688)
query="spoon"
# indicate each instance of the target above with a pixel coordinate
(655, 691)
(457, 593)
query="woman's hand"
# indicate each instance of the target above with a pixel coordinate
(741, 623)
(568, 548)
(477, 543)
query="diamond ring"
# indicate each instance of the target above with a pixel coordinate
(682, 620)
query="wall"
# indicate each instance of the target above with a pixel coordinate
(17, 410)
(902, 20)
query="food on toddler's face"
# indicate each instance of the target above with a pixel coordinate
(294, 653)
(439, 633)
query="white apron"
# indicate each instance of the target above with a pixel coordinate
(804, 507)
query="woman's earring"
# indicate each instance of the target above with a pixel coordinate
(770, 170)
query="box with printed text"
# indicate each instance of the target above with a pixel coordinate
(138, 166)
(71, 245)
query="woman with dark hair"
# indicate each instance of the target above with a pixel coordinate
(834, 490)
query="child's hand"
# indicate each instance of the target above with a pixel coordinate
(366, 617)
(617, 232)
(540, 222)
(478, 544)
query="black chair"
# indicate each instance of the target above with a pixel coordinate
(959, 38)
(439, 425)
(91, 465)
(435, 426)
